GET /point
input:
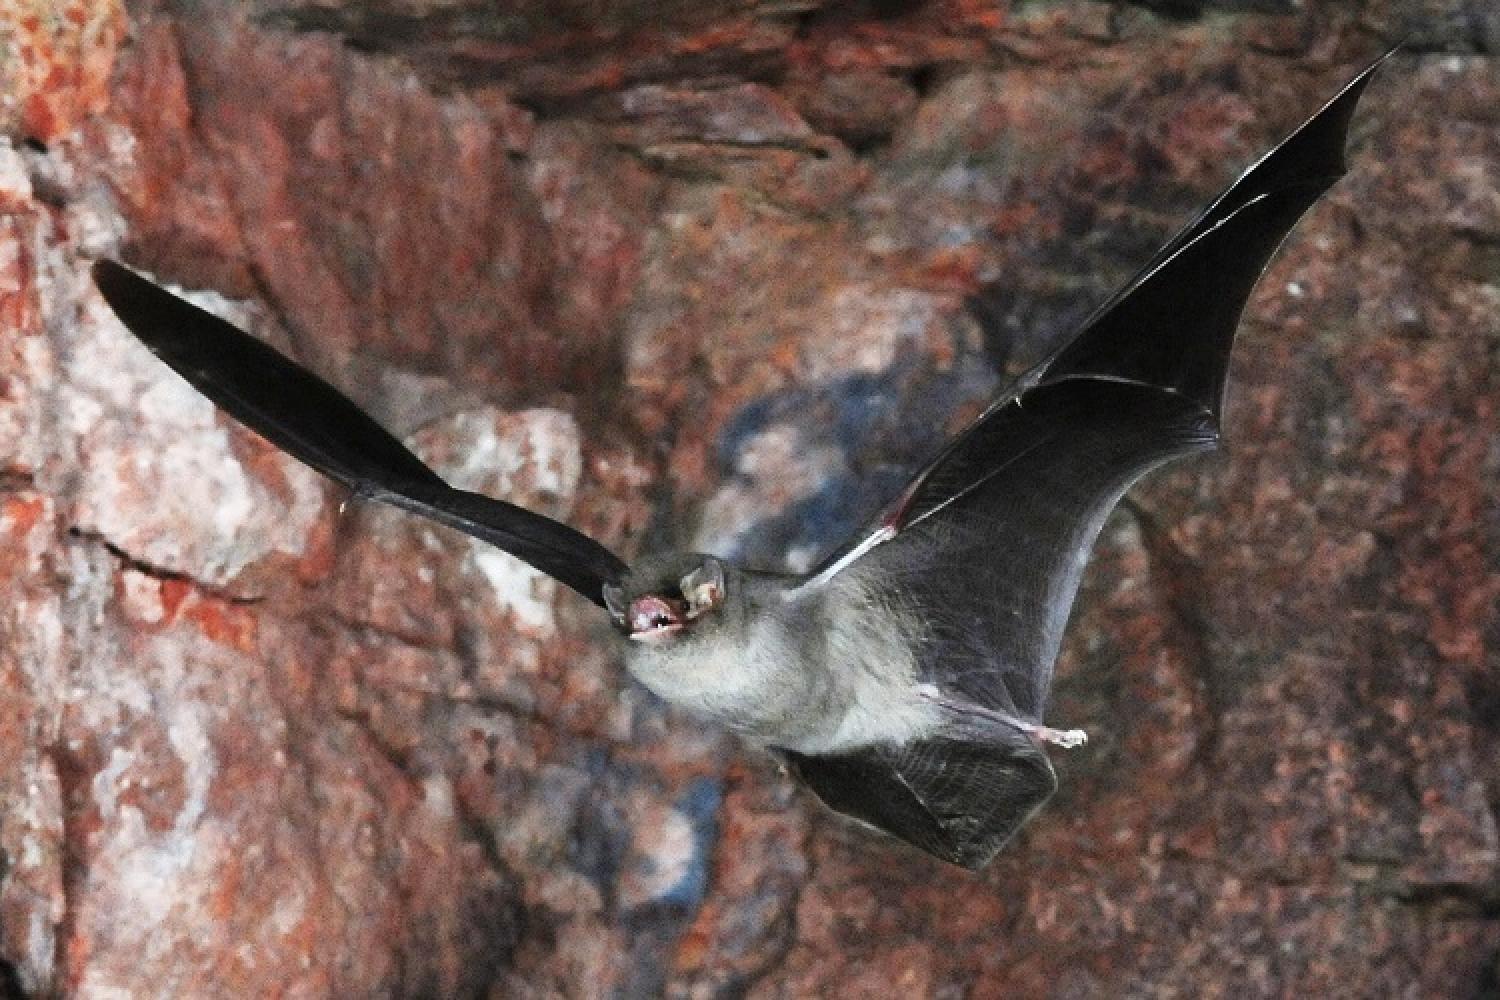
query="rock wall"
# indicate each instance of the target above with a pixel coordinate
(719, 275)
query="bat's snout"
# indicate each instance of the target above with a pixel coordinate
(655, 619)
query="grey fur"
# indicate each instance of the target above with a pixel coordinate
(815, 670)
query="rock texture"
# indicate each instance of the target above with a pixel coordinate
(720, 274)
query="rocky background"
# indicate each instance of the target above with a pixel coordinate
(718, 273)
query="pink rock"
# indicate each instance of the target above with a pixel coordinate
(704, 274)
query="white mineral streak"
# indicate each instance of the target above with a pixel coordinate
(162, 480)
(534, 452)
(437, 797)
(774, 469)
(533, 458)
(153, 876)
(142, 459)
(290, 909)
(109, 782)
(34, 820)
(868, 329)
(116, 444)
(525, 591)
(15, 182)
(39, 623)
(24, 361)
(661, 854)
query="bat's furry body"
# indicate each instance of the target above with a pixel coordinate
(906, 678)
(812, 671)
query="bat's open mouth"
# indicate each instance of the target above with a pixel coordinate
(653, 619)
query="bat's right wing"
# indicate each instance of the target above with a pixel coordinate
(988, 542)
(982, 554)
(313, 422)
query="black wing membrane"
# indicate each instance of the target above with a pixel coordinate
(957, 800)
(1303, 156)
(315, 423)
(1020, 495)
(987, 545)
(1172, 326)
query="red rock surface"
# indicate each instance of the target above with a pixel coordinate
(695, 274)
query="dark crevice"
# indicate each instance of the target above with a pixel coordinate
(472, 46)
(10, 982)
(160, 572)
(756, 145)
(1488, 985)
(510, 921)
(1453, 899)
(804, 21)
(398, 759)
(10, 976)
(643, 151)
(363, 45)
(1171, 10)
(466, 647)
(890, 10)
(838, 14)
(666, 168)
(477, 830)
(1382, 874)
(72, 775)
(13, 481)
(266, 297)
(47, 191)
(383, 634)
(387, 33)
(1183, 11)
(869, 145)
(923, 79)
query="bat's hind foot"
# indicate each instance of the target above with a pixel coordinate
(1065, 738)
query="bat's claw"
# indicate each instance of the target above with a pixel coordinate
(1065, 738)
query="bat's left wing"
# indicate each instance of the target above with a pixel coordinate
(315, 423)
(984, 550)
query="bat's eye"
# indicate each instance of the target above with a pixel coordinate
(653, 619)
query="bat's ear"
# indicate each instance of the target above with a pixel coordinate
(704, 586)
(614, 600)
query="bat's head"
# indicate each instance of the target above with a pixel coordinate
(667, 598)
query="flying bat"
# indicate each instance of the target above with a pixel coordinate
(906, 678)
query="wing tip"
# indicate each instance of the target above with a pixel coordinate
(1342, 105)
(111, 278)
(135, 302)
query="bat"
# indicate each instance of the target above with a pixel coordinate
(905, 679)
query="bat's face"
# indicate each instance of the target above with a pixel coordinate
(667, 598)
(708, 639)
